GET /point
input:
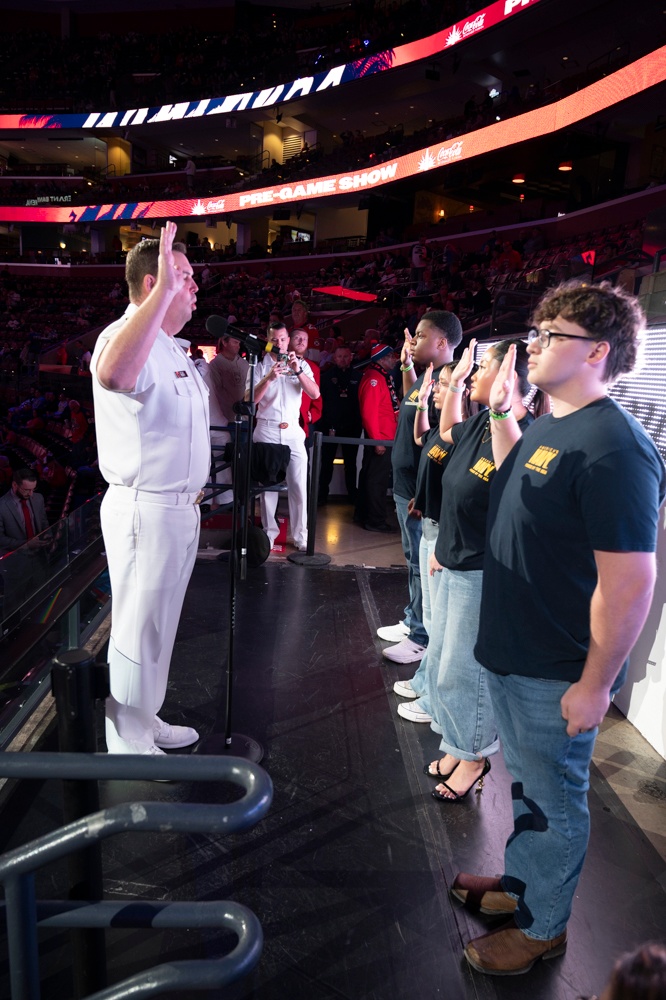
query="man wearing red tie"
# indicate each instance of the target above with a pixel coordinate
(22, 512)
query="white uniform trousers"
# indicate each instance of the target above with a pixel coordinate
(297, 481)
(151, 547)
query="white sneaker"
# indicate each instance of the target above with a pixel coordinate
(173, 737)
(405, 652)
(410, 710)
(153, 751)
(393, 633)
(405, 689)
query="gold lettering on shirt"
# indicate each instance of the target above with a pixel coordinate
(484, 468)
(414, 396)
(541, 459)
(437, 453)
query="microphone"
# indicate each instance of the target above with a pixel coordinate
(218, 327)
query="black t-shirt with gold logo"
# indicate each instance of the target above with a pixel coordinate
(590, 481)
(405, 453)
(466, 494)
(435, 454)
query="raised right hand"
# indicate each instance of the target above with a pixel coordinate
(465, 365)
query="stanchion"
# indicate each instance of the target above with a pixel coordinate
(77, 681)
(310, 557)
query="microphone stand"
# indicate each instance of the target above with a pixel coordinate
(236, 744)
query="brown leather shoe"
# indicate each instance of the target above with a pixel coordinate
(509, 952)
(482, 895)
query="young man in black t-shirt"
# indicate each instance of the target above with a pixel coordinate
(437, 335)
(567, 585)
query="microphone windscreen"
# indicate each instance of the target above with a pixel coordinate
(216, 326)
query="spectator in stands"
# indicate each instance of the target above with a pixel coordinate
(5, 472)
(509, 259)
(300, 319)
(199, 359)
(420, 257)
(477, 298)
(326, 356)
(22, 511)
(78, 422)
(190, 172)
(535, 242)
(84, 357)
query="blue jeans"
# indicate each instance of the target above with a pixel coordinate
(429, 586)
(460, 704)
(410, 529)
(550, 771)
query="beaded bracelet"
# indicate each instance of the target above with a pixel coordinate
(456, 388)
(407, 368)
(500, 414)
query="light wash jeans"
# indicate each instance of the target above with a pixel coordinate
(550, 771)
(460, 704)
(429, 586)
(410, 530)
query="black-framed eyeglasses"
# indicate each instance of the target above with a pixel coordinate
(543, 336)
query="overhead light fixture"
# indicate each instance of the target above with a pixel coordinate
(565, 165)
(518, 179)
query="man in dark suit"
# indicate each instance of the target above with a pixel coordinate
(22, 512)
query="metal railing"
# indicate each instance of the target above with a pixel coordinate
(24, 914)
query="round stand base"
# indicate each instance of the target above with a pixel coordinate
(240, 746)
(303, 559)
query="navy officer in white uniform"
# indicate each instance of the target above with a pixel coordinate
(151, 416)
(282, 379)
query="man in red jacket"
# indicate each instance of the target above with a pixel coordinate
(311, 409)
(379, 414)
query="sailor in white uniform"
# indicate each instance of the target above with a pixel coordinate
(151, 416)
(277, 392)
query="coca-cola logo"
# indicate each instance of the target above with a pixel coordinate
(199, 208)
(448, 153)
(475, 25)
(216, 206)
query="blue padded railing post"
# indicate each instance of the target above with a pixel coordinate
(17, 867)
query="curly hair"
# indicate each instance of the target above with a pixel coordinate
(605, 312)
(141, 260)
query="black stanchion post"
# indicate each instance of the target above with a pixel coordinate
(77, 681)
(310, 557)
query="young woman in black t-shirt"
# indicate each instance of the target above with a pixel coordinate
(458, 693)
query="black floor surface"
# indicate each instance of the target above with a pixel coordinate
(348, 873)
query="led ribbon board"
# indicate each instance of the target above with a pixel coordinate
(646, 72)
(424, 48)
